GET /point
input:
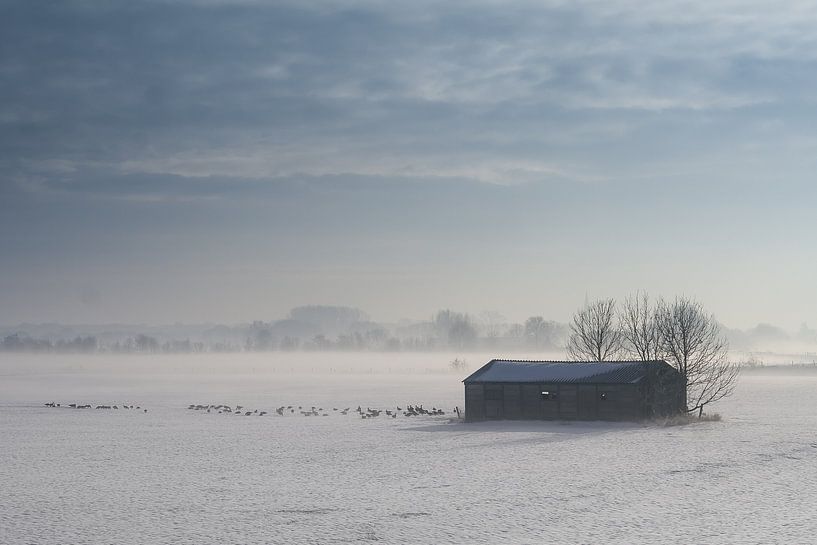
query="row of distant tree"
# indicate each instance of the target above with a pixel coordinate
(316, 328)
(139, 343)
(20, 343)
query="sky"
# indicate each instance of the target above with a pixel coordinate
(225, 161)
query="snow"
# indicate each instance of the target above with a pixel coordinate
(178, 476)
(529, 371)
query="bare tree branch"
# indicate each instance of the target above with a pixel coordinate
(691, 341)
(639, 330)
(594, 334)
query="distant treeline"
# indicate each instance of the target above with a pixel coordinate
(345, 329)
(313, 328)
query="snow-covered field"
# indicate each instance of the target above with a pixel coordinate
(173, 475)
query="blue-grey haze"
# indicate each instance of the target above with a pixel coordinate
(228, 160)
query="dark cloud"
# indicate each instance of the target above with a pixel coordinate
(162, 83)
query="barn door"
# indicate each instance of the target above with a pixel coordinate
(588, 409)
(494, 401)
(567, 402)
(549, 401)
(531, 394)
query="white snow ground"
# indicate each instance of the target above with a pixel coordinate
(178, 476)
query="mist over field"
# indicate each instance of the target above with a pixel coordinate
(324, 328)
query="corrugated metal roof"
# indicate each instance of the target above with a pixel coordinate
(620, 372)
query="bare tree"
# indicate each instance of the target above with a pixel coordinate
(594, 333)
(691, 341)
(491, 322)
(456, 328)
(639, 328)
(543, 333)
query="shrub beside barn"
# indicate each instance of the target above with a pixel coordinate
(549, 390)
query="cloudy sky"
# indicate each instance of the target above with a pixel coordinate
(227, 160)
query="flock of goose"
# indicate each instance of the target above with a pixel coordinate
(226, 409)
(79, 406)
(240, 410)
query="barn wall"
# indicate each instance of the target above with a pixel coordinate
(474, 402)
(668, 395)
(611, 401)
(661, 395)
(619, 402)
(664, 392)
(632, 402)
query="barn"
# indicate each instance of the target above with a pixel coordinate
(553, 390)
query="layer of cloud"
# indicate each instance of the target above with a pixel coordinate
(493, 91)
